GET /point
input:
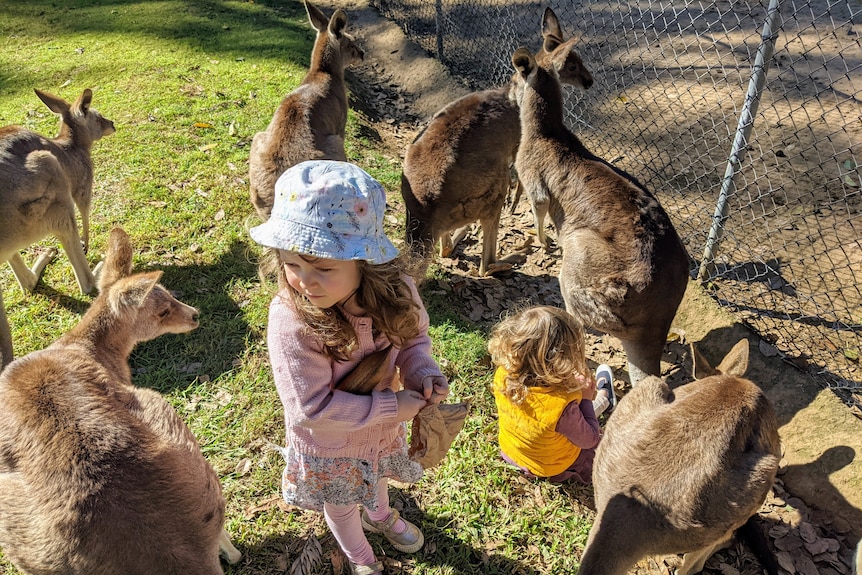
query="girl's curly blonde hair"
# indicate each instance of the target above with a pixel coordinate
(540, 346)
(383, 294)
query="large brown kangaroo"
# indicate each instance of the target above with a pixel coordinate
(309, 123)
(624, 269)
(98, 477)
(456, 171)
(678, 471)
(41, 181)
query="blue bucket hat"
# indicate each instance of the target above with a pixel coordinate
(328, 209)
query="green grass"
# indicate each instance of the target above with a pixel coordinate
(187, 85)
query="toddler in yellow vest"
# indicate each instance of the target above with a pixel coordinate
(547, 402)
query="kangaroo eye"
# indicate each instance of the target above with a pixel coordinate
(164, 313)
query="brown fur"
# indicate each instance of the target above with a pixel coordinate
(309, 123)
(98, 476)
(624, 269)
(41, 181)
(457, 170)
(678, 471)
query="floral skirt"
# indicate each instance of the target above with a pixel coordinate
(308, 481)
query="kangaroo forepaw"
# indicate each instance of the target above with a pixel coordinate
(226, 549)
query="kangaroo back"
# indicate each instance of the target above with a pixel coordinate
(309, 123)
(41, 181)
(96, 475)
(678, 471)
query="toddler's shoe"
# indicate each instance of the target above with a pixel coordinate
(410, 541)
(376, 567)
(605, 379)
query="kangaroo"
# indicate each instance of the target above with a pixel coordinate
(678, 471)
(98, 477)
(309, 123)
(41, 181)
(456, 171)
(624, 269)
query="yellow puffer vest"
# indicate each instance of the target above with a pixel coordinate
(527, 431)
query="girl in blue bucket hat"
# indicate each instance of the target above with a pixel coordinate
(342, 297)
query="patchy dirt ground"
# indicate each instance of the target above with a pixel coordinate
(814, 515)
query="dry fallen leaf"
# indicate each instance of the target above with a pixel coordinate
(264, 505)
(789, 542)
(805, 566)
(806, 531)
(785, 561)
(243, 467)
(336, 559)
(766, 349)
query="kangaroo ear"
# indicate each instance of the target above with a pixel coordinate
(337, 23)
(736, 360)
(118, 259)
(82, 104)
(552, 32)
(318, 19)
(129, 295)
(56, 105)
(558, 60)
(700, 365)
(523, 61)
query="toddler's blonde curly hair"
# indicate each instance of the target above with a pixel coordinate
(540, 346)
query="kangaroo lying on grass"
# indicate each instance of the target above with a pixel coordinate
(41, 181)
(456, 171)
(624, 269)
(678, 471)
(309, 123)
(98, 477)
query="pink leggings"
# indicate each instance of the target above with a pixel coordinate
(345, 524)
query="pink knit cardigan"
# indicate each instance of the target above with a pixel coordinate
(324, 422)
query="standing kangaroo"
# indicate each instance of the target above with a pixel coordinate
(41, 181)
(456, 171)
(678, 471)
(98, 477)
(309, 123)
(624, 269)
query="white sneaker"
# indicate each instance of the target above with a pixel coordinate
(605, 380)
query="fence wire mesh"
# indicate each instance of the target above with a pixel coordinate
(671, 84)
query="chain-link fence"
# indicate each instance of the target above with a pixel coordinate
(744, 117)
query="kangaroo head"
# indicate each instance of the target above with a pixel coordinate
(78, 120)
(342, 45)
(560, 55)
(138, 300)
(734, 363)
(565, 61)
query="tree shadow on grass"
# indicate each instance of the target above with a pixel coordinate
(232, 30)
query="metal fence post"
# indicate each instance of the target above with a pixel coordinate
(438, 17)
(740, 142)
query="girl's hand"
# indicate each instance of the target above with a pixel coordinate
(409, 404)
(435, 388)
(589, 390)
